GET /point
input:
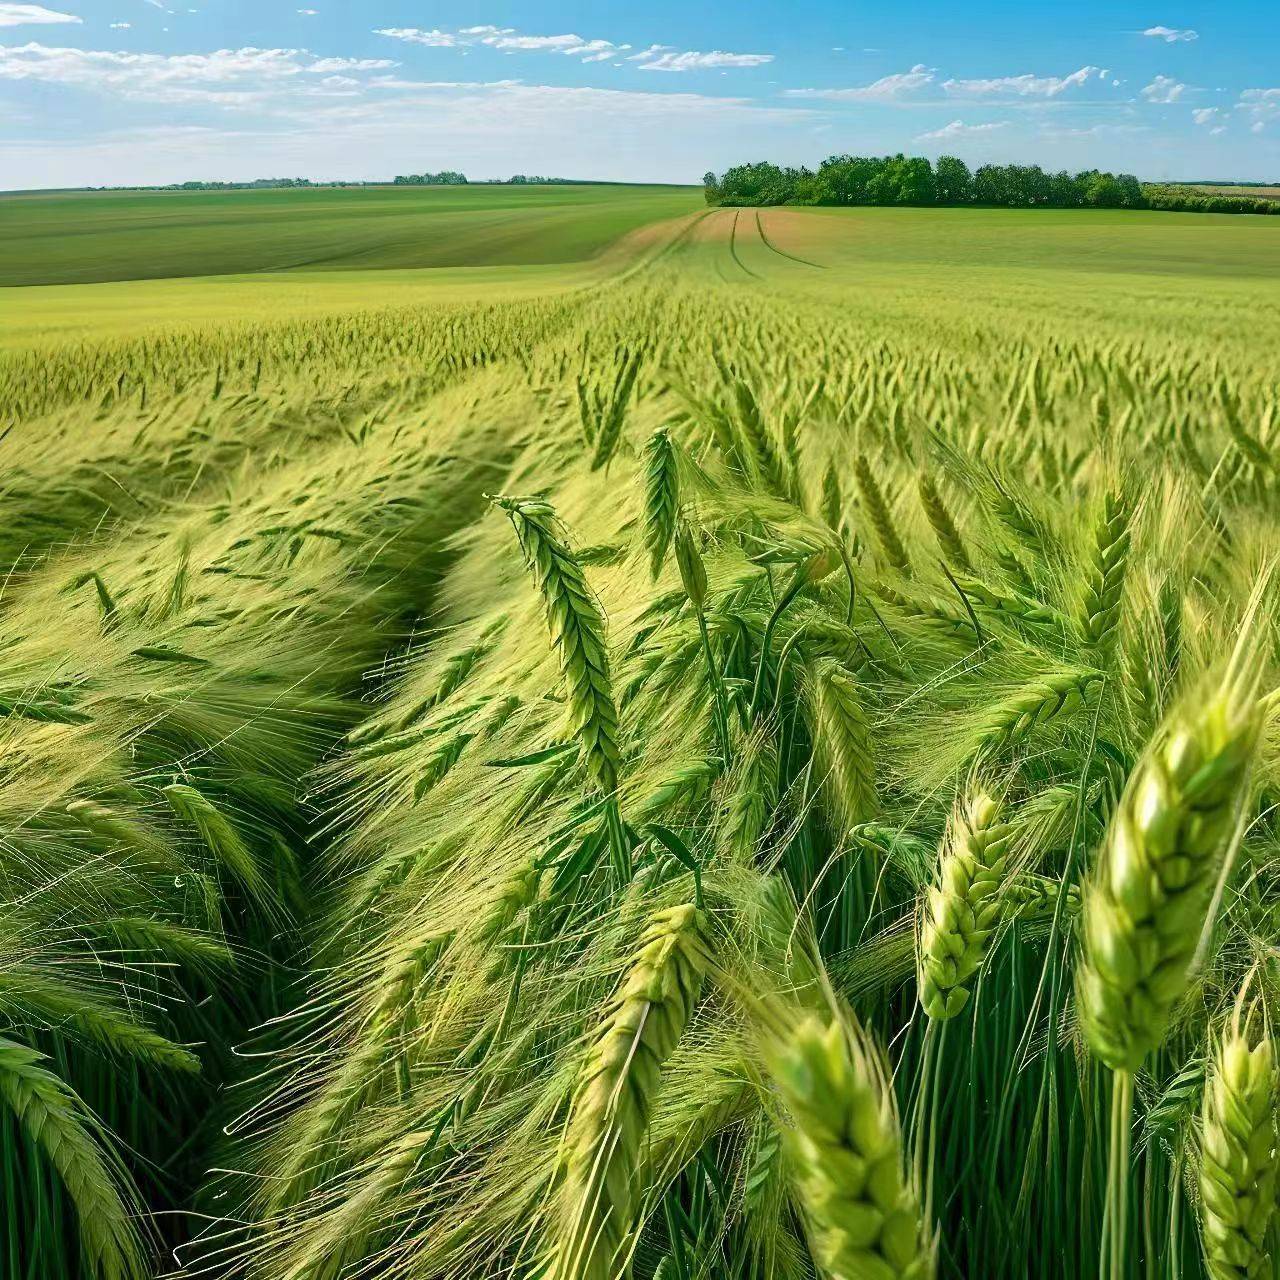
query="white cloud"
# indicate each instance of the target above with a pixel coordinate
(350, 64)
(957, 129)
(121, 26)
(1024, 86)
(484, 130)
(1164, 90)
(1262, 106)
(890, 88)
(18, 15)
(693, 61)
(227, 77)
(307, 13)
(1208, 115)
(657, 57)
(1172, 35)
(509, 40)
(415, 35)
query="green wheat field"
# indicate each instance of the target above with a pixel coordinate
(559, 734)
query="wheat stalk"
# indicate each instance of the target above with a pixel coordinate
(1238, 1157)
(610, 1113)
(1146, 905)
(54, 1119)
(842, 743)
(577, 631)
(845, 1149)
(963, 907)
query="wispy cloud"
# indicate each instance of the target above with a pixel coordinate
(226, 77)
(415, 35)
(1164, 90)
(889, 89)
(509, 40)
(322, 65)
(1023, 86)
(693, 61)
(20, 15)
(1261, 106)
(571, 45)
(958, 130)
(657, 57)
(1172, 35)
(1215, 119)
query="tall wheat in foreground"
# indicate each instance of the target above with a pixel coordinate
(862, 1214)
(577, 630)
(1148, 903)
(610, 1113)
(1146, 907)
(1238, 1159)
(55, 1120)
(962, 908)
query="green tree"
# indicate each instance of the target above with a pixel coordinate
(953, 181)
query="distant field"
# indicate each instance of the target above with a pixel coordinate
(1262, 193)
(537, 241)
(80, 238)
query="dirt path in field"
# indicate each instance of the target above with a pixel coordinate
(782, 252)
(755, 241)
(733, 246)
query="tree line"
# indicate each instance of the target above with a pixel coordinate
(445, 178)
(913, 180)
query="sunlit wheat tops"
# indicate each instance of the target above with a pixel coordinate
(963, 907)
(842, 1137)
(1146, 904)
(577, 630)
(1238, 1159)
(611, 1106)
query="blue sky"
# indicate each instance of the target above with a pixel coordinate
(97, 92)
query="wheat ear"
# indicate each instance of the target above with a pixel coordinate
(842, 743)
(963, 906)
(577, 631)
(1238, 1158)
(610, 1113)
(661, 497)
(944, 527)
(1104, 587)
(845, 1149)
(1147, 904)
(54, 1119)
(877, 510)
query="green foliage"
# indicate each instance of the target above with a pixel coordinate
(904, 180)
